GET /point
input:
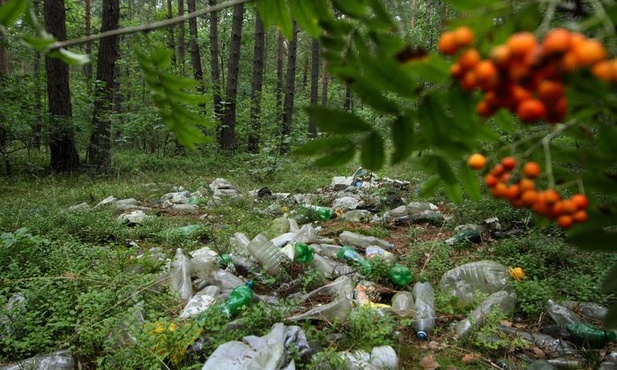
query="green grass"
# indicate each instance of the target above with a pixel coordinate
(82, 279)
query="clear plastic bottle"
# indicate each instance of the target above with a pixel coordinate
(465, 281)
(264, 251)
(403, 304)
(561, 314)
(363, 241)
(424, 303)
(180, 276)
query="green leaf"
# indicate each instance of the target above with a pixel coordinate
(69, 57)
(389, 75)
(403, 138)
(469, 180)
(337, 121)
(306, 13)
(352, 8)
(12, 10)
(41, 42)
(444, 170)
(465, 5)
(454, 192)
(276, 12)
(373, 154)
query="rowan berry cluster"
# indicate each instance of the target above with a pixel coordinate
(525, 75)
(518, 186)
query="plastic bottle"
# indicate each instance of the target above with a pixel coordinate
(180, 276)
(400, 274)
(403, 304)
(303, 253)
(591, 333)
(264, 251)
(374, 251)
(592, 310)
(542, 341)
(363, 241)
(348, 254)
(465, 236)
(424, 303)
(465, 281)
(319, 213)
(502, 300)
(561, 314)
(238, 298)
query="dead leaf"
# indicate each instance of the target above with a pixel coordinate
(506, 323)
(538, 352)
(429, 363)
(470, 357)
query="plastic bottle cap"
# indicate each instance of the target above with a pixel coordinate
(422, 335)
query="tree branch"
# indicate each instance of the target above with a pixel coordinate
(147, 27)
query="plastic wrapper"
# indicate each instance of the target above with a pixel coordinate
(465, 281)
(504, 301)
(201, 301)
(203, 262)
(380, 358)
(61, 360)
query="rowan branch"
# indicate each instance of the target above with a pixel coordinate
(147, 27)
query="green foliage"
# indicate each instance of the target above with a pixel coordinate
(370, 328)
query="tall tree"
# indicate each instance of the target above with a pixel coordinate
(171, 41)
(348, 102)
(198, 73)
(290, 89)
(181, 35)
(37, 126)
(312, 129)
(64, 157)
(325, 79)
(215, 70)
(257, 84)
(88, 66)
(227, 129)
(99, 151)
(279, 73)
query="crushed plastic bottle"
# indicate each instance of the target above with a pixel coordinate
(400, 275)
(180, 276)
(374, 251)
(238, 298)
(424, 304)
(403, 304)
(561, 314)
(591, 310)
(264, 251)
(502, 300)
(465, 281)
(542, 341)
(348, 254)
(318, 213)
(465, 236)
(363, 241)
(303, 253)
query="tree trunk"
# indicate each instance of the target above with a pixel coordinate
(99, 151)
(198, 73)
(290, 85)
(413, 14)
(38, 99)
(348, 102)
(64, 157)
(171, 41)
(258, 76)
(227, 131)
(215, 71)
(325, 79)
(88, 66)
(312, 129)
(279, 74)
(181, 36)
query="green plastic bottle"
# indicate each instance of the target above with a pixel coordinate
(321, 213)
(239, 297)
(303, 253)
(348, 254)
(591, 333)
(400, 274)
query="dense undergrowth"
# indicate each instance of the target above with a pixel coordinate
(82, 281)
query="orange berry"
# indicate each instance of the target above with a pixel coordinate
(487, 75)
(531, 110)
(569, 62)
(476, 161)
(498, 170)
(589, 52)
(500, 55)
(529, 197)
(568, 206)
(469, 59)
(526, 185)
(514, 193)
(463, 36)
(500, 190)
(484, 109)
(521, 43)
(580, 216)
(531, 170)
(447, 44)
(490, 180)
(505, 177)
(558, 110)
(456, 70)
(604, 71)
(550, 91)
(580, 201)
(469, 81)
(508, 163)
(556, 41)
(551, 196)
(519, 93)
(565, 221)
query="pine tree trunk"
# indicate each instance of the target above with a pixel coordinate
(279, 74)
(413, 14)
(325, 79)
(348, 102)
(215, 71)
(198, 73)
(257, 84)
(99, 151)
(37, 127)
(312, 129)
(227, 131)
(290, 85)
(171, 41)
(64, 157)
(181, 36)
(88, 66)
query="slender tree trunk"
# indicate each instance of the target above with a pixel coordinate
(348, 102)
(290, 85)
(171, 41)
(181, 36)
(279, 74)
(312, 129)
(4, 74)
(99, 151)
(227, 131)
(258, 76)
(215, 72)
(414, 9)
(64, 157)
(325, 79)
(198, 73)
(38, 100)
(5, 67)
(88, 66)
(305, 72)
